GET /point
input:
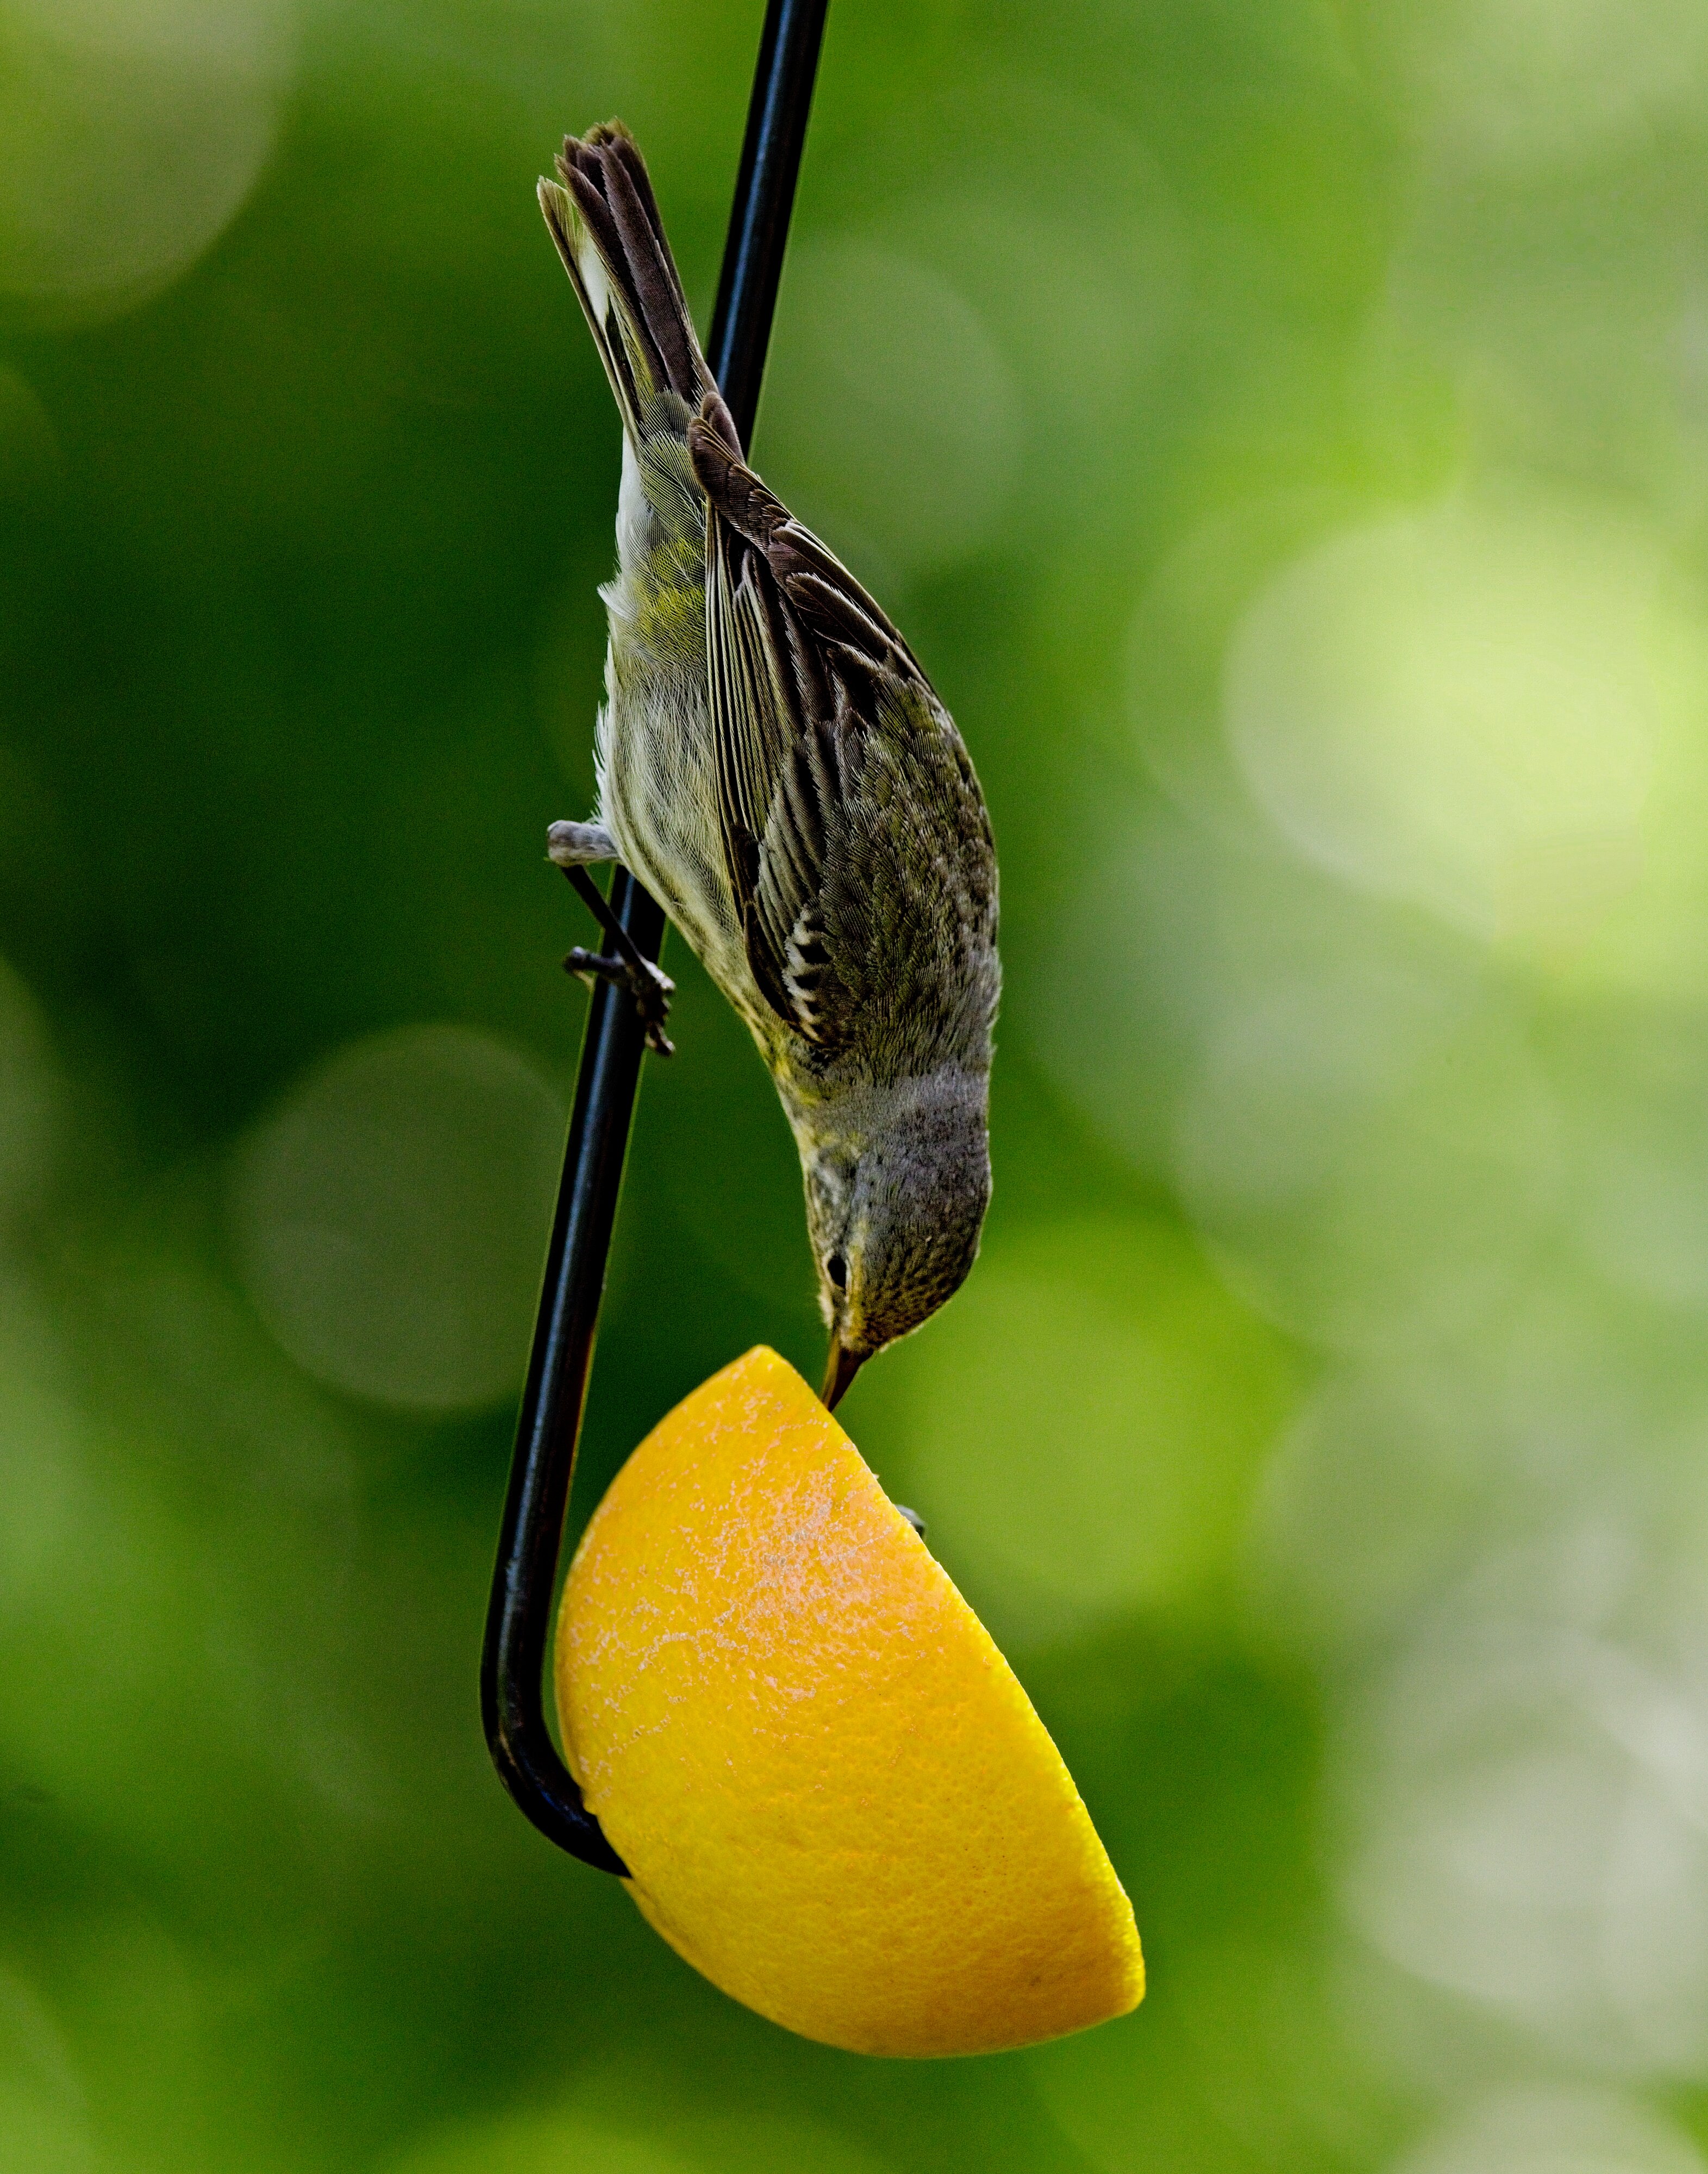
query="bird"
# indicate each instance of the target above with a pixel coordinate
(777, 771)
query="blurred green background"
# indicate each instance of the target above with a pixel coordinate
(1283, 431)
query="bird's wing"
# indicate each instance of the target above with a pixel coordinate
(840, 774)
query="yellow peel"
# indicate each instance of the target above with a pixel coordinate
(834, 1797)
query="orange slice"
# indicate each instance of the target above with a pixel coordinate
(834, 1797)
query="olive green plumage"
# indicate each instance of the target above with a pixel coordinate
(778, 771)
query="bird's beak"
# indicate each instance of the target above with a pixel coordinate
(840, 1370)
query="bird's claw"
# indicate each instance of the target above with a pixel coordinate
(650, 986)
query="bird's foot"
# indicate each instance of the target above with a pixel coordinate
(624, 964)
(651, 988)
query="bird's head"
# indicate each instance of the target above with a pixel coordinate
(896, 1195)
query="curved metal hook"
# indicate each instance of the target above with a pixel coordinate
(518, 1622)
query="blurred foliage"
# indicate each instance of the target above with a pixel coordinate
(1283, 431)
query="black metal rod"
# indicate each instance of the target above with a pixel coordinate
(765, 197)
(518, 1622)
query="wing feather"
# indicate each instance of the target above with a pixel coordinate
(843, 785)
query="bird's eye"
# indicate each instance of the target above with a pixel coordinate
(837, 1270)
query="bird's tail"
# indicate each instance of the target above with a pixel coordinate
(604, 219)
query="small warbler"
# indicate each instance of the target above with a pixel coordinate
(777, 771)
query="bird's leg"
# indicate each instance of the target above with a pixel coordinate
(578, 845)
(572, 845)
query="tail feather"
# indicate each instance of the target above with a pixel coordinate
(604, 219)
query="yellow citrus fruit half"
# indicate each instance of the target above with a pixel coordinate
(833, 1796)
